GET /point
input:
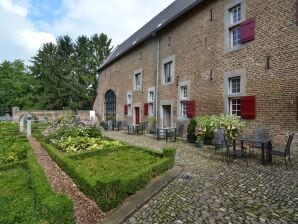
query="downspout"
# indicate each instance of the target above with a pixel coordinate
(157, 76)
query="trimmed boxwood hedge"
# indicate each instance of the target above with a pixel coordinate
(107, 191)
(38, 202)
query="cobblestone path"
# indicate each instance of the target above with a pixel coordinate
(211, 191)
(86, 211)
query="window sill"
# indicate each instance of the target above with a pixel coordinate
(167, 83)
(236, 48)
(183, 118)
(138, 89)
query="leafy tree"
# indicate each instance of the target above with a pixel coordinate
(66, 72)
(16, 86)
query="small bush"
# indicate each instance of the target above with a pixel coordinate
(207, 124)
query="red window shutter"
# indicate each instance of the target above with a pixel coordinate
(146, 106)
(125, 109)
(190, 108)
(248, 107)
(247, 30)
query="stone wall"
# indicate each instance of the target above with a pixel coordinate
(50, 115)
(197, 43)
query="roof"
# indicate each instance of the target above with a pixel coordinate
(168, 15)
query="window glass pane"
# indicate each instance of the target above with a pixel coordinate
(183, 92)
(235, 106)
(235, 36)
(234, 85)
(168, 72)
(235, 14)
(183, 109)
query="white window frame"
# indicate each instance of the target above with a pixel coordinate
(182, 99)
(170, 59)
(229, 95)
(231, 25)
(151, 101)
(129, 103)
(139, 73)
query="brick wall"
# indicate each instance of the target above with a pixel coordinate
(198, 44)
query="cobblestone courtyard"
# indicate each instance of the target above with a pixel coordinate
(211, 191)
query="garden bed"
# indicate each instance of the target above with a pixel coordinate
(25, 195)
(111, 172)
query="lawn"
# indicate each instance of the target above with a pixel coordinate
(107, 171)
(25, 195)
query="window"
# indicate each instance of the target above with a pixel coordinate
(234, 16)
(129, 104)
(168, 72)
(138, 81)
(151, 99)
(235, 36)
(183, 92)
(151, 96)
(234, 96)
(183, 101)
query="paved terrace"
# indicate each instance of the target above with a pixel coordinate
(211, 191)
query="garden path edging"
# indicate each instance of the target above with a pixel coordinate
(86, 211)
(136, 201)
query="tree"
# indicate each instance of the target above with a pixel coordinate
(67, 72)
(16, 86)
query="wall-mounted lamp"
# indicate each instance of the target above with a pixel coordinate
(211, 75)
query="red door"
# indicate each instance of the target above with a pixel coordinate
(137, 113)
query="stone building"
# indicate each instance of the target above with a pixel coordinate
(208, 57)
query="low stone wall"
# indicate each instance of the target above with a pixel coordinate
(50, 115)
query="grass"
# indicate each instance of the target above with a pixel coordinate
(109, 175)
(25, 194)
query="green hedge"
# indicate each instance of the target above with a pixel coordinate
(108, 192)
(55, 208)
(33, 201)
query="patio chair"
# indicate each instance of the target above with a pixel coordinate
(218, 140)
(179, 130)
(259, 133)
(234, 152)
(286, 154)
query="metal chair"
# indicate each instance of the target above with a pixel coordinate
(179, 130)
(286, 154)
(218, 140)
(234, 152)
(259, 133)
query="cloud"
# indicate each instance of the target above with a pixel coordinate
(117, 18)
(19, 38)
(27, 24)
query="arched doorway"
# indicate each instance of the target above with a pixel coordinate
(110, 105)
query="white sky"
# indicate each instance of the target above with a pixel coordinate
(26, 24)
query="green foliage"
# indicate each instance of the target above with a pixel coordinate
(109, 175)
(78, 144)
(13, 145)
(66, 72)
(207, 124)
(26, 196)
(191, 128)
(16, 86)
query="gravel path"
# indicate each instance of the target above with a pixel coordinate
(86, 211)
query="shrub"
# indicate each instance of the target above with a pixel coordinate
(191, 131)
(205, 126)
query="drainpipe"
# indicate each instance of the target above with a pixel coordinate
(157, 75)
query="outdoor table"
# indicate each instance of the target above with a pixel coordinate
(266, 151)
(167, 131)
